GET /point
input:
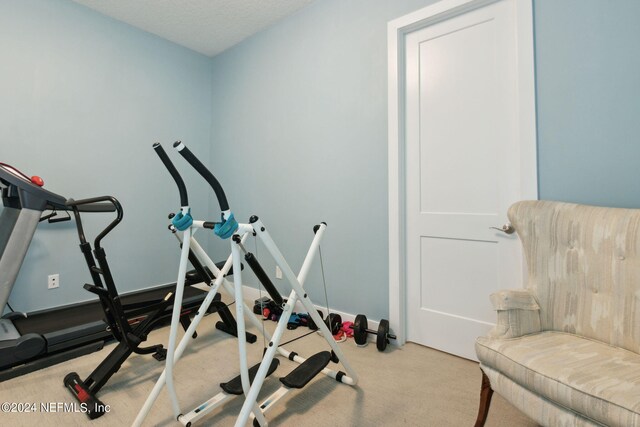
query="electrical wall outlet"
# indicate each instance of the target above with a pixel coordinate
(278, 273)
(53, 281)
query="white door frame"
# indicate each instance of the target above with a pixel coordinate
(396, 32)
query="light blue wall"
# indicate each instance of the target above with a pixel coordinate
(82, 98)
(300, 127)
(299, 136)
(588, 95)
(297, 125)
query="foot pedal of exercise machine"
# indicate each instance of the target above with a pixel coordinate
(185, 321)
(92, 406)
(297, 378)
(229, 390)
(160, 354)
(308, 369)
(228, 323)
(221, 326)
(235, 385)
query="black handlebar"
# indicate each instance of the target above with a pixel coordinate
(91, 206)
(205, 173)
(114, 204)
(184, 200)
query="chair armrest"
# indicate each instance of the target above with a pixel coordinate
(510, 299)
(518, 313)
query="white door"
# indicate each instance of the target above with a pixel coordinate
(462, 172)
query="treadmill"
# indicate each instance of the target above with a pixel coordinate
(33, 341)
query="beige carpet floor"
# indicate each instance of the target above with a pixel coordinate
(408, 386)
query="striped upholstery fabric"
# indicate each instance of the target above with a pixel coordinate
(539, 409)
(584, 268)
(574, 372)
(571, 338)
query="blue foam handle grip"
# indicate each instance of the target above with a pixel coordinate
(227, 228)
(182, 221)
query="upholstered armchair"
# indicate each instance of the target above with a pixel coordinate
(565, 350)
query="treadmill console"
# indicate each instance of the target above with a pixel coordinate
(23, 191)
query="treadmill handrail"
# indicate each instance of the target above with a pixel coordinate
(91, 207)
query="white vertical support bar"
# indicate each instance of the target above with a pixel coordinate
(251, 405)
(202, 311)
(260, 376)
(242, 338)
(297, 292)
(297, 286)
(175, 319)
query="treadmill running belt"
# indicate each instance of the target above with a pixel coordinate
(48, 321)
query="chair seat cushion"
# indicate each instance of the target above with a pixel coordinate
(587, 376)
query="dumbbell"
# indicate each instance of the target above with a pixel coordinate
(333, 322)
(360, 332)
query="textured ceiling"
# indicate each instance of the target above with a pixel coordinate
(206, 26)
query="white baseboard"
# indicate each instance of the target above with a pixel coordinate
(252, 294)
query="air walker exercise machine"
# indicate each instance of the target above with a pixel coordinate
(130, 323)
(250, 381)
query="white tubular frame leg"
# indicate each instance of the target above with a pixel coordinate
(242, 337)
(175, 319)
(202, 311)
(297, 292)
(297, 284)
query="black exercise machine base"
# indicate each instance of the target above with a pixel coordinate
(50, 360)
(221, 326)
(91, 405)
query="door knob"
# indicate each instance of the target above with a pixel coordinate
(507, 228)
